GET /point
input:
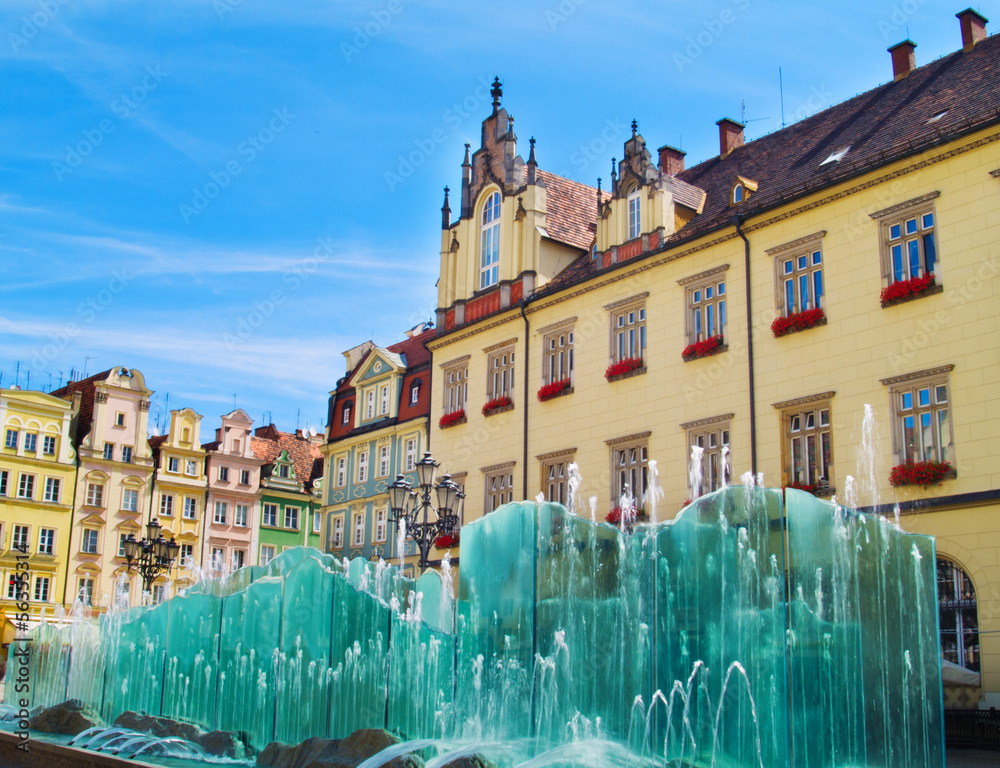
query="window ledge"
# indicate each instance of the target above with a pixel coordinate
(716, 351)
(934, 289)
(626, 375)
(801, 321)
(951, 474)
(560, 393)
(501, 409)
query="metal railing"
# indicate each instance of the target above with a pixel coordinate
(978, 728)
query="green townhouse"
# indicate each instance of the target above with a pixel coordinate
(291, 478)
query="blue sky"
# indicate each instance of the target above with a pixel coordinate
(227, 194)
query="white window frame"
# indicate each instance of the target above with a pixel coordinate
(628, 328)
(190, 508)
(245, 477)
(95, 495)
(383, 461)
(456, 385)
(190, 467)
(126, 454)
(807, 440)
(489, 241)
(338, 532)
(10, 439)
(31, 442)
(317, 522)
(346, 418)
(221, 511)
(46, 547)
(414, 394)
(130, 499)
(634, 207)
(166, 505)
(53, 486)
(26, 486)
(363, 466)
(557, 354)
(241, 515)
(292, 518)
(109, 451)
(705, 300)
(20, 539)
(42, 594)
(359, 530)
(798, 271)
(501, 371)
(629, 467)
(380, 525)
(938, 408)
(49, 445)
(711, 435)
(904, 252)
(223, 474)
(173, 465)
(498, 486)
(384, 400)
(269, 514)
(266, 553)
(370, 403)
(93, 537)
(554, 474)
(341, 471)
(411, 454)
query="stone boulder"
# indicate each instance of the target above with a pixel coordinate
(473, 761)
(335, 753)
(218, 743)
(69, 718)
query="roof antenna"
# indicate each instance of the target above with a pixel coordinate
(781, 91)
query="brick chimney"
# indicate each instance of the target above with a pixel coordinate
(730, 135)
(904, 60)
(671, 160)
(973, 27)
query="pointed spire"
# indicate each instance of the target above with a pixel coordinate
(466, 210)
(510, 127)
(614, 175)
(466, 163)
(532, 164)
(635, 128)
(598, 196)
(496, 92)
(445, 212)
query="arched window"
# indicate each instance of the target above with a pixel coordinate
(489, 251)
(737, 194)
(958, 616)
(634, 215)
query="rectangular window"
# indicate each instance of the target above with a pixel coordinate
(317, 522)
(130, 500)
(712, 438)
(127, 454)
(499, 487)
(42, 589)
(456, 387)
(218, 558)
(384, 400)
(46, 541)
(359, 529)
(808, 448)
(921, 412)
(380, 525)
(239, 559)
(338, 532)
(30, 442)
(292, 517)
(187, 554)
(362, 466)
(190, 507)
(4, 481)
(173, 464)
(166, 505)
(159, 594)
(908, 239)
(85, 591)
(119, 419)
(49, 445)
(629, 469)
(190, 467)
(706, 301)
(89, 542)
(109, 451)
(26, 486)
(370, 404)
(52, 487)
(414, 394)
(347, 414)
(224, 474)
(266, 554)
(383, 461)
(237, 446)
(242, 515)
(283, 471)
(95, 495)
(798, 275)
(13, 587)
(10, 439)
(270, 515)
(411, 454)
(21, 540)
(500, 373)
(245, 477)
(634, 215)
(489, 243)
(122, 538)
(557, 364)
(221, 509)
(628, 329)
(554, 474)
(341, 471)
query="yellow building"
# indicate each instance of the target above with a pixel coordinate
(749, 307)
(114, 483)
(180, 486)
(37, 478)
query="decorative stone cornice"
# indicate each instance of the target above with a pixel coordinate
(500, 345)
(703, 275)
(708, 422)
(625, 302)
(556, 454)
(800, 401)
(567, 323)
(795, 245)
(456, 361)
(628, 438)
(900, 207)
(918, 375)
(497, 467)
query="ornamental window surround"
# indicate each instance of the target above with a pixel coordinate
(628, 328)
(338, 532)
(634, 201)
(557, 352)
(489, 244)
(712, 436)
(456, 384)
(629, 467)
(807, 440)
(26, 486)
(798, 275)
(498, 486)
(705, 299)
(52, 487)
(554, 474)
(958, 615)
(908, 240)
(500, 371)
(922, 424)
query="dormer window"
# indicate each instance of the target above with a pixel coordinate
(489, 251)
(741, 190)
(347, 414)
(634, 215)
(414, 393)
(737, 194)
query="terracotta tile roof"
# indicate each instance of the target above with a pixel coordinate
(86, 388)
(571, 216)
(413, 349)
(155, 442)
(303, 453)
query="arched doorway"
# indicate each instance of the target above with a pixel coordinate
(958, 616)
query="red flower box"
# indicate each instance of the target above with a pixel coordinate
(807, 487)
(451, 419)
(622, 367)
(615, 516)
(702, 348)
(800, 321)
(922, 473)
(552, 390)
(446, 540)
(904, 290)
(496, 404)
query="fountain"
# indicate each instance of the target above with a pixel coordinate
(758, 628)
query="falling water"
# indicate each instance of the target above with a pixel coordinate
(869, 457)
(694, 471)
(574, 482)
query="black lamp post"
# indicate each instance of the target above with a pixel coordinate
(409, 504)
(151, 556)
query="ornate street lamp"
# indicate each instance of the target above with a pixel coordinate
(407, 503)
(151, 556)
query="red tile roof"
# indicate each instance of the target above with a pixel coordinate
(86, 388)
(571, 216)
(303, 453)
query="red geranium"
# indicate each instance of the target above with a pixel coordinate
(905, 289)
(496, 404)
(627, 365)
(451, 419)
(551, 390)
(797, 322)
(807, 487)
(702, 348)
(921, 473)
(446, 540)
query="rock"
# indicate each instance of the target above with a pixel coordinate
(69, 718)
(222, 744)
(335, 753)
(218, 743)
(474, 761)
